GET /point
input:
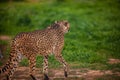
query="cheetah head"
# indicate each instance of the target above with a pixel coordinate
(60, 25)
(63, 25)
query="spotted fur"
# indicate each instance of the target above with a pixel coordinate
(43, 42)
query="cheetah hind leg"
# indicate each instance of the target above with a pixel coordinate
(32, 62)
(45, 68)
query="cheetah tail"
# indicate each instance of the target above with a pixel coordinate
(12, 63)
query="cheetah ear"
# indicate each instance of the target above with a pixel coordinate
(48, 27)
(56, 22)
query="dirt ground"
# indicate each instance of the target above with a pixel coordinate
(74, 74)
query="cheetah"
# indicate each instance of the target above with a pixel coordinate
(43, 42)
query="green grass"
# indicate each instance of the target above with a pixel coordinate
(94, 35)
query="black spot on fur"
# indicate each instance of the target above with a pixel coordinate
(4, 69)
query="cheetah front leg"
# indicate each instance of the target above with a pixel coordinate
(32, 62)
(62, 61)
(45, 68)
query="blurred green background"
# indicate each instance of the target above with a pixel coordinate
(94, 35)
